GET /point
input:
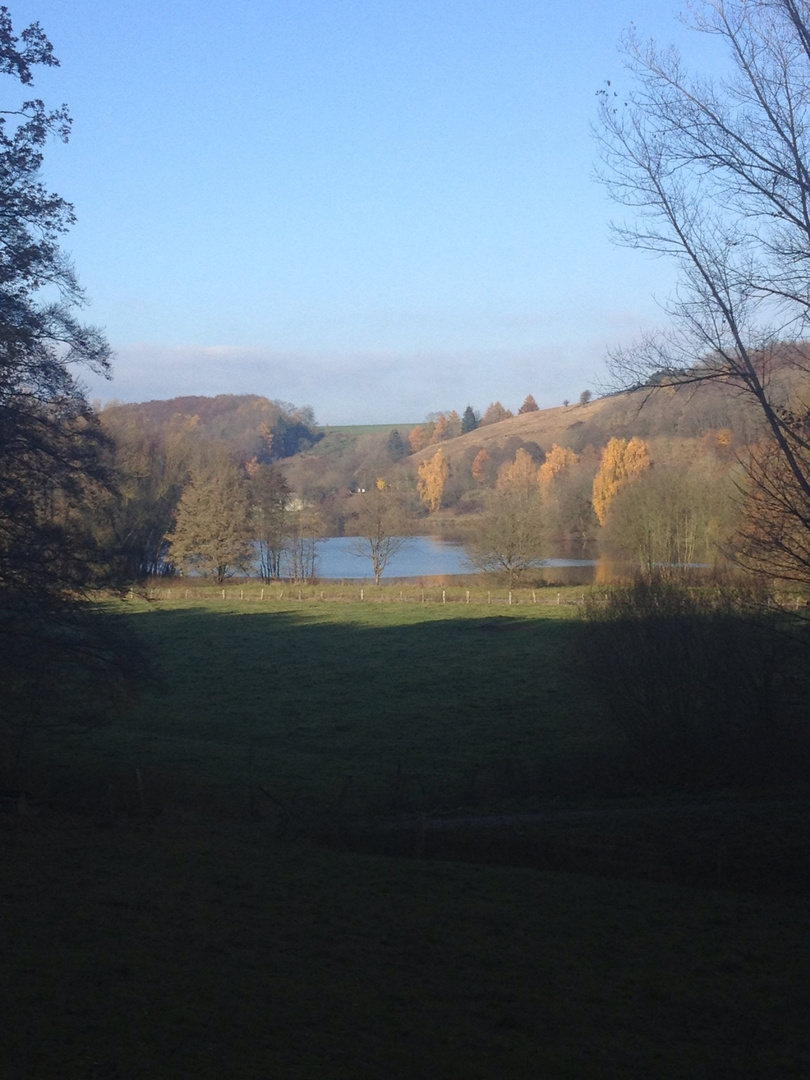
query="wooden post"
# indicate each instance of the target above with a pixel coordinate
(444, 596)
(241, 594)
(489, 597)
(223, 594)
(534, 597)
(510, 598)
(299, 594)
(362, 594)
(558, 597)
(468, 596)
(262, 594)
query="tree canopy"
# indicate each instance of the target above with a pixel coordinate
(51, 446)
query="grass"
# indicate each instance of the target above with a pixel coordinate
(158, 926)
(139, 951)
(421, 704)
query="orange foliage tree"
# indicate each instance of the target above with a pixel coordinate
(622, 462)
(433, 475)
(416, 439)
(481, 458)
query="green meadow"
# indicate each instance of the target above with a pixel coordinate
(337, 838)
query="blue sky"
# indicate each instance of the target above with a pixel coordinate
(380, 208)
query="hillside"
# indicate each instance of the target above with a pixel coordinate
(669, 412)
(251, 425)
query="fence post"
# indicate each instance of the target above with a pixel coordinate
(444, 596)
(510, 598)
(468, 596)
(362, 594)
(223, 594)
(489, 597)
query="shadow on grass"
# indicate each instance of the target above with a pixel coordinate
(405, 731)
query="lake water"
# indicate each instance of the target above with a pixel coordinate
(420, 556)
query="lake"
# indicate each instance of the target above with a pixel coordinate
(422, 556)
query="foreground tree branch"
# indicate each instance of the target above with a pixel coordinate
(715, 173)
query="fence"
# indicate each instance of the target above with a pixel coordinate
(285, 593)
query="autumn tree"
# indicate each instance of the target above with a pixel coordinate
(433, 474)
(151, 467)
(715, 172)
(518, 474)
(440, 429)
(622, 462)
(495, 412)
(529, 405)
(673, 516)
(416, 438)
(558, 460)
(212, 532)
(453, 425)
(479, 466)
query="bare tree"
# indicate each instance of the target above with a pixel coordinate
(379, 526)
(717, 174)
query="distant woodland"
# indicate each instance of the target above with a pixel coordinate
(654, 476)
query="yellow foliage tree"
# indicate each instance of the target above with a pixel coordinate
(440, 432)
(518, 474)
(557, 461)
(622, 462)
(433, 475)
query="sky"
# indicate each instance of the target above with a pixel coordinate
(379, 208)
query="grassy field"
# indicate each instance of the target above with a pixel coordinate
(201, 894)
(383, 705)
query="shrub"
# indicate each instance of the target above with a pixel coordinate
(703, 688)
